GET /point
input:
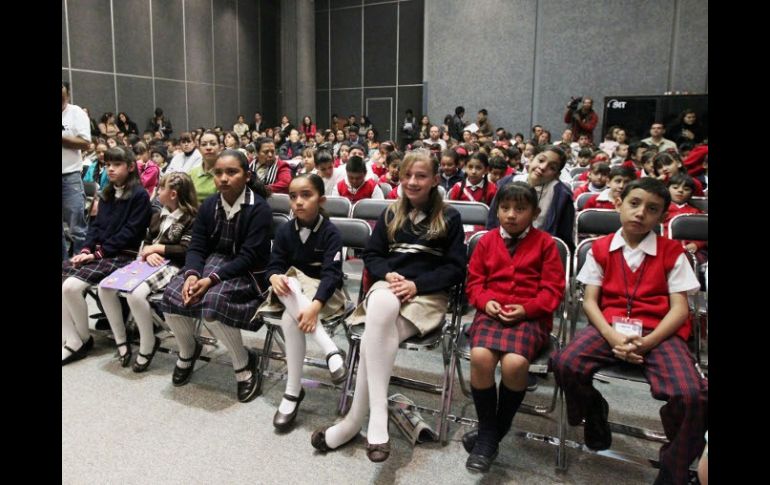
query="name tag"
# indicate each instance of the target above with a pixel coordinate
(627, 326)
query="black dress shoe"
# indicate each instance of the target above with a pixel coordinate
(124, 359)
(318, 440)
(78, 354)
(249, 389)
(379, 452)
(596, 433)
(281, 421)
(469, 439)
(89, 344)
(143, 367)
(339, 375)
(181, 376)
(480, 463)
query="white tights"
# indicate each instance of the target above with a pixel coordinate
(140, 308)
(385, 330)
(74, 314)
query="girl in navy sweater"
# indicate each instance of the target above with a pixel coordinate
(415, 255)
(306, 263)
(224, 274)
(112, 241)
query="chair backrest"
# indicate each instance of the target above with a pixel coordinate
(597, 221)
(279, 203)
(566, 258)
(473, 241)
(574, 172)
(577, 183)
(370, 209)
(701, 203)
(278, 221)
(581, 200)
(355, 232)
(337, 206)
(581, 253)
(474, 213)
(689, 227)
(90, 188)
(386, 188)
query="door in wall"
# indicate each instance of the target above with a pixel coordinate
(380, 113)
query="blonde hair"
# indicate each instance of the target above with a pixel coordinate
(402, 207)
(187, 198)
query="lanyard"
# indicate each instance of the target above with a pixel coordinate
(630, 299)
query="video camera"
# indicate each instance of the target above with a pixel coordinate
(574, 102)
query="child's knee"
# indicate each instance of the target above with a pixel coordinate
(72, 287)
(514, 365)
(483, 361)
(135, 299)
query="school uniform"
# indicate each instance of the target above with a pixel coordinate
(589, 187)
(434, 265)
(527, 271)
(481, 192)
(386, 179)
(368, 190)
(676, 209)
(448, 182)
(659, 268)
(113, 236)
(231, 246)
(312, 255)
(174, 231)
(601, 201)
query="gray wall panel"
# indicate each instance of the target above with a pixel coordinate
(346, 48)
(323, 117)
(321, 4)
(170, 96)
(410, 97)
(199, 41)
(248, 51)
(344, 3)
(135, 98)
(690, 66)
(227, 107)
(201, 105)
(380, 45)
(322, 51)
(346, 102)
(410, 46)
(225, 53)
(168, 41)
(132, 37)
(90, 35)
(94, 91)
(64, 61)
(505, 40)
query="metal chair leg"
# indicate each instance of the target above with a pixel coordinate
(349, 385)
(561, 451)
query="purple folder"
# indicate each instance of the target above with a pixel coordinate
(130, 276)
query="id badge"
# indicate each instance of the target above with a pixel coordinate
(627, 326)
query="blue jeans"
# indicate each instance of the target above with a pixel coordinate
(73, 207)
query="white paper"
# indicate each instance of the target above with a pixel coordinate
(473, 128)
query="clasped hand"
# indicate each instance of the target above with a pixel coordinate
(404, 289)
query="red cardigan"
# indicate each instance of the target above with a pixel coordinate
(651, 303)
(364, 191)
(533, 278)
(484, 196)
(594, 203)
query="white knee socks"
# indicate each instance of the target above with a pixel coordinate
(113, 310)
(74, 314)
(346, 429)
(233, 342)
(184, 331)
(140, 309)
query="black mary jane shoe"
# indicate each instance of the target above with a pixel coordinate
(480, 463)
(124, 359)
(143, 367)
(318, 440)
(339, 375)
(281, 421)
(181, 375)
(249, 389)
(469, 439)
(78, 354)
(379, 452)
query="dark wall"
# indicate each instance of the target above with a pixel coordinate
(197, 59)
(368, 50)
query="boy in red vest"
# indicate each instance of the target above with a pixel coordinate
(355, 186)
(636, 303)
(619, 178)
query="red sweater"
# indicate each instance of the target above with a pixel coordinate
(393, 193)
(386, 179)
(674, 210)
(694, 160)
(582, 189)
(533, 278)
(282, 178)
(486, 195)
(594, 203)
(363, 192)
(651, 303)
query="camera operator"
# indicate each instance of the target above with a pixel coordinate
(582, 117)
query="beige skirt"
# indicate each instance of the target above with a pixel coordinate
(426, 312)
(334, 307)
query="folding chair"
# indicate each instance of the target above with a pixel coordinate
(576, 183)
(355, 233)
(337, 206)
(592, 222)
(90, 189)
(541, 365)
(279, 203)
(694, 227)
(581, 200)
(618, 373)
(575, 171)
(701, 203)
(370, 209)
(471, 213)
(386, 188)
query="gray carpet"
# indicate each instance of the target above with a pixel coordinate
(122, 427)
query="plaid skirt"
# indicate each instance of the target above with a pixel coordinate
(158, 280)
(95, 271)
(334, 307)
(523, 338)
(426, 312)
(232, 302)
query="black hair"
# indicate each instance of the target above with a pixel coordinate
(261, 141)
(686, 146)
(484, 159)
(559, 152)
(359, 146)
(394, 156)
(459, 110)
(651, 185)
(517, 192)
(66, 86)
(139, 148)
(133, 139)
(253, 183)
(620, 170)
(585, 153)
(601, 168)
(513, 153)
(484, 112)
(323, 156)
(318, 185)
(498, 162)
(355, 165)
(121, 155)
(451, 154)
(158, 112)
(682, 178)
